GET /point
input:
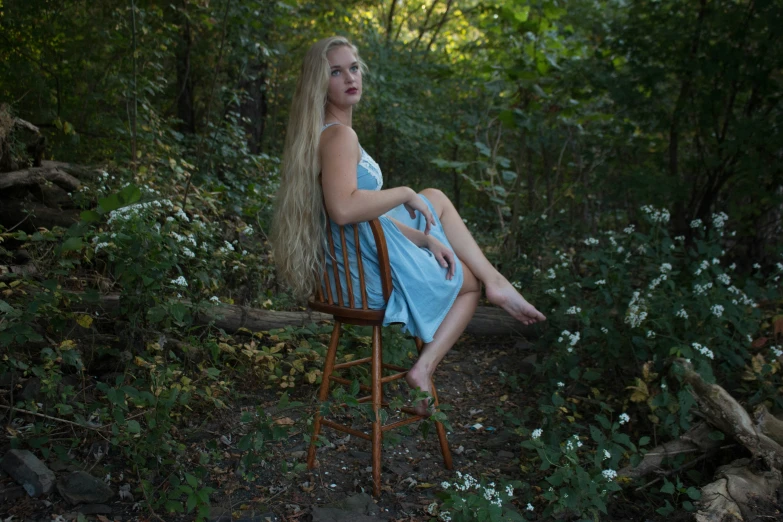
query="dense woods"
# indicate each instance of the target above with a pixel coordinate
(620, 161)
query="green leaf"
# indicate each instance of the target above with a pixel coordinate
(193, 481)
(482, 148)
(716, 435)
(173, 506)
(178, 311)
(129, 195)
(668, 487)
(134, 427)
(90, 216)
(644, 441)
(109, 203)
(694, 493)
(72, 243)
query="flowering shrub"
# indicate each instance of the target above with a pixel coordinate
(468, 499)
(624, 299)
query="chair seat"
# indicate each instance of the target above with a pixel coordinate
(348, 315)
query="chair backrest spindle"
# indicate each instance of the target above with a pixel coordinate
(347, 266)
(335, 270)
(360, 266)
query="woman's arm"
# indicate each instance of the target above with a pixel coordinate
(442, 253)
(345, 203)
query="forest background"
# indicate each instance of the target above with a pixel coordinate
(619, 161)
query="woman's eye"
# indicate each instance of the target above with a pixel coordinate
(354, 68)
(335, 72)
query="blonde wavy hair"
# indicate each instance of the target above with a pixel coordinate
(298, 233)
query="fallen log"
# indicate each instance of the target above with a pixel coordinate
(728, 498)
(696, 441)
(725, 413)
(486, 321)
(38, 176)
(30, 215)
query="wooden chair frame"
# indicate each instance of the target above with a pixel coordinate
(349, 313)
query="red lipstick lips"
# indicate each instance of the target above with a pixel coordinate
(352, 90)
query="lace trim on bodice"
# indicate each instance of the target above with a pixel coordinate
(365, 161)
(372, 167)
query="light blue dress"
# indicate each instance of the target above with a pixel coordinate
(421, 295)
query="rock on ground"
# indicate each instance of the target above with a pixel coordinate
(29, 471)
(80, 487)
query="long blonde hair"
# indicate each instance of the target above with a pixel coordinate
(298, 227)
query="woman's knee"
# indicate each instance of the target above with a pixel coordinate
(434, 194)
(438, 199)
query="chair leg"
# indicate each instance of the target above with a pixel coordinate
(323, 394)
(444, 443)
(377, 399)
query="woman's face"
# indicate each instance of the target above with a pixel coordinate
(345, 77)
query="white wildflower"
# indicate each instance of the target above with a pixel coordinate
(637, 311)
(181, 214)
(215, 299)
(604, 329)
(724, 278)
(536, 433)
(666, 268)
(656, 215)
(717, 310)
(530, 507)
(650, 334)
(703, 350)
(629, 229)
(624, 418)
(180, 281)
(560, 384)
(600, 282)
(609, 474)
(607, 455)
(573, 310)
(719, 220)
(550, 274)
(591, 241)
(681, 313)
(696, 223)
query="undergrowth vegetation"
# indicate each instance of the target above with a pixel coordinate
(622, 305)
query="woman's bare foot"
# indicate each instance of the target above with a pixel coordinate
(421, 381)
(501, 293)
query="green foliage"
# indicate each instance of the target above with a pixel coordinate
(468, 499)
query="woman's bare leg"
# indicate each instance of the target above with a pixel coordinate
(499, 291)
(457, 318)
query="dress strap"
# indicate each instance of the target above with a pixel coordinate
(329, 125)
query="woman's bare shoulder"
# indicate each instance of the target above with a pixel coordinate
(338, 139)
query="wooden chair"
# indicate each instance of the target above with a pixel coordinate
(332, 302)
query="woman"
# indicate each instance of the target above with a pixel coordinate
(437, 267)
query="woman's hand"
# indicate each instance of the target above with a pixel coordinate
(416, 203)
(444, 255)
